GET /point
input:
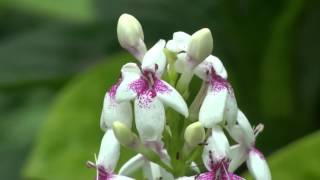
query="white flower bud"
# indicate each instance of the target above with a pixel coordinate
(129, 31)
(124, 134)
(194, 134)
(201, 45)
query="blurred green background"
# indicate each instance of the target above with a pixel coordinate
(58, 58)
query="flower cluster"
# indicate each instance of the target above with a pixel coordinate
(172, 136)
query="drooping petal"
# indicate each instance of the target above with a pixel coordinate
(132, 165)
(109, 151)
(113, 111)
(217, 149)
(179, 42)
(209, 64)
(154, 171)
(187, 178)
(213, 107)
(130, 73)
(242, 132)
(149, 117)
(231, 109)
(155, 59)
(118, 177)
(238, 155)
(258, 166)
(171, 97)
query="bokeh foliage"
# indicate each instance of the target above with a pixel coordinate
(268, 47)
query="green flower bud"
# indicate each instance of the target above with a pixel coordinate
(129, 31)
(124, 134)
(194, 134)
(201, 45)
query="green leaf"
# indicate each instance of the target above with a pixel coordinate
(71, 134)
(299, 160)
(73, 10)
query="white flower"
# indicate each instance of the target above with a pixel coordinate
(130, 35)
(219, 104)
(149, 93)
(108, 158)
(245, 135)
(191, 50)
(216, 158)
(114, 111)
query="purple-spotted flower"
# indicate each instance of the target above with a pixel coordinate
(219, 103)
(190, 51)
(216, 158)
(245, 135)
(108, 158)
(114, 111)
(144, 86)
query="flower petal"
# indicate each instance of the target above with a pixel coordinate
(154, 171)
(231, 109)
(155, 59)
(179, 42)
(213, 107)
(218, 147)
(118, 177)
(149, 117)
(187, 178)
(132, 165)
(130, 73)
(113, 111)
(109, 151)
(238, 155)
(258, 166)
(242, 132)
(204, 68)
(171, 97)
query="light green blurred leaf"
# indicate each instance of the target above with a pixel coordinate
(71, 134)
(72, 10)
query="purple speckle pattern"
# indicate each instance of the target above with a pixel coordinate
(256, 151)
(103, 174)
(219, 171)
(113, 90)
(147, 87)
(218, 83)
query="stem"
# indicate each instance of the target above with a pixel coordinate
(195, 106)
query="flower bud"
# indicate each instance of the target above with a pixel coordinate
(194, 134)
(201, 45)
(129, 31)
(124, 134)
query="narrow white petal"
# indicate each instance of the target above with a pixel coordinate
(187, 178)
(130, 73)
(171, 97)
(155, 59)
(149, 118)
(242, 132)
(218, 145)
(238, 155)
(118, 177)
(212, 108)
(258, 166)
(231, 109)
(113, 111)
(154, 171)
(132, 165)
(109, 151)
(218, 66)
